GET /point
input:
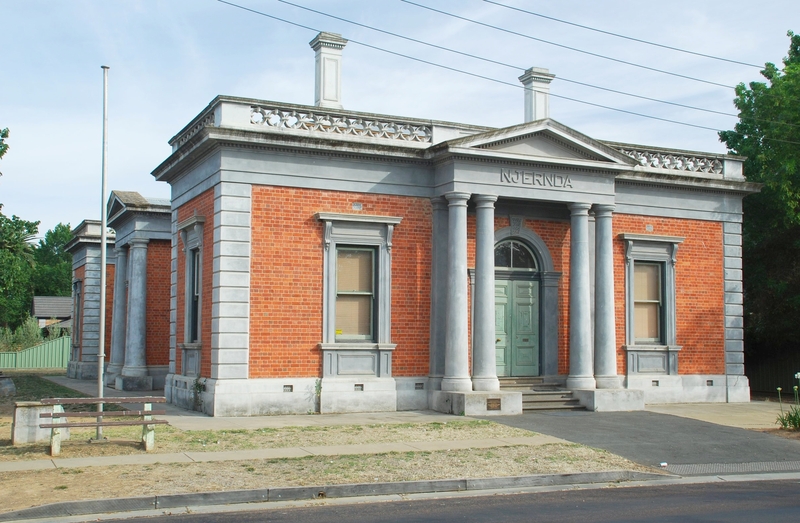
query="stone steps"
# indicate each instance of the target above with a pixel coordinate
(538, 395)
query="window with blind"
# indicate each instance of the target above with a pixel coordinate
(648, 302)
(355, 293)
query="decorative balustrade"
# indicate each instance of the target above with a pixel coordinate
(675, 161)
(345, 125)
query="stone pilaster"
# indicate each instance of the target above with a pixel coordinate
(605, 344)
(483, 348)
(737, 383)
(119, 317)
(438, 292)
(456, 365)
(580, 315)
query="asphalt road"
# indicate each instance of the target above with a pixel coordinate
(710, 502)
(650, 438)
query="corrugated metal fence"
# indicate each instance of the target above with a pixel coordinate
(52, 354)
(768, 375)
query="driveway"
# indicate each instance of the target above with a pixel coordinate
(688, 446)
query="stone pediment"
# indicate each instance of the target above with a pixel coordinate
(542, 140)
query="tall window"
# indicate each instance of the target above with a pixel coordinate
(77, 317)
(648, 302)
(355, 293)
(191, 235)
(194, 296)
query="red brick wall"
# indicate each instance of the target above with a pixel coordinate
(202, 205)
(109, 308)
(80, 274)
(286, 273)
(699, 284)
(158, 283)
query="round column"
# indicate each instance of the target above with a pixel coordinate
(605, 343)
(456, 364)
(135, 360)
(580, 315)
(483, 346)
(119, 315)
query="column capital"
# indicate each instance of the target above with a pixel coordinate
(603, 209)
(579, 208)
(457, 198)
(138, 242)
(119, 250)
(485, 201)
(438, 203)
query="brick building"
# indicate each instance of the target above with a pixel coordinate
(333, 261)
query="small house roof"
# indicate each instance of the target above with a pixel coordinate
(46, 307)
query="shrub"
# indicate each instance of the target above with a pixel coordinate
(27, 335)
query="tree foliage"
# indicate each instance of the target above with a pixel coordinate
(16, 269)
(768, 134)
(53, 272)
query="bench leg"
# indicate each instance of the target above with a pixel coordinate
(55, 433)
(148, 431)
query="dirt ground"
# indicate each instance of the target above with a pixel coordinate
(32, 488)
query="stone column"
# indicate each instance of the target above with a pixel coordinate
(605, 338)
(580, 313)
(456, 364)
(120, 317)
(438, 316)
(483, 344)
(134, 373)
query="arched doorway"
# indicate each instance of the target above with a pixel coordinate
(517, 309)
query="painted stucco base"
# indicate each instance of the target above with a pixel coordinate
(358, 395)
(412, 393)
(82, 370)
(610, 400)
(474, 403)
(249, 397)
(691, 388)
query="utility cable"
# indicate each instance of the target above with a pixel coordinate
(475, 75)
(623, 36)
(517, 68)
(597, 55)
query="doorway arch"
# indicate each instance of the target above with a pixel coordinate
(526, 303)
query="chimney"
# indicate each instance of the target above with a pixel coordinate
(328, 69)
(537, 93)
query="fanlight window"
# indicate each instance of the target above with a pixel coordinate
(515, 255)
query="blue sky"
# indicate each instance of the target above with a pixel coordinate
(170, 58)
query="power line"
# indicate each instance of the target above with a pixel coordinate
(623, 36)
(475, 75)
(489, 60)
(597, 55)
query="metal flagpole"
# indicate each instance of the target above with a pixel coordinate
(103, 233)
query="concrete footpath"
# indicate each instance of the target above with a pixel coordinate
(698, 442)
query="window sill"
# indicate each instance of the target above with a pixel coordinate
(190, 346)
(652, 348)
(357, 345)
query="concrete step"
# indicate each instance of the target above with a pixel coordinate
(538, 395)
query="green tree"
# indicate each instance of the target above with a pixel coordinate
(768, 134)
(53, 272)
(16, 269)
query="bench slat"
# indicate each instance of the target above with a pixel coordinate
(105, 413)
(95, 401)
(104, 424)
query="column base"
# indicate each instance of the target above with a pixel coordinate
(608, 382)
(134, 383)
(485, 384)
(581, 382)
(130, 370)
(457, 384)
(611, 400)
(498, 403)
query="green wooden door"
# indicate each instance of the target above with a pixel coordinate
(517, 327)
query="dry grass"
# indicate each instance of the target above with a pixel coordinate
(49, 486)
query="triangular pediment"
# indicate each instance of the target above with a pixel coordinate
(542, 140)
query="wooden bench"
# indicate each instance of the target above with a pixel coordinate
(145, 417)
